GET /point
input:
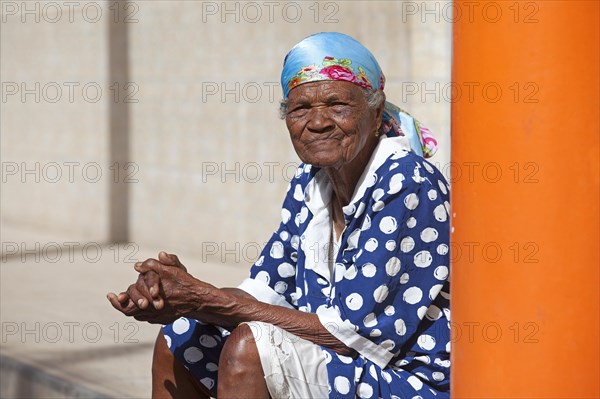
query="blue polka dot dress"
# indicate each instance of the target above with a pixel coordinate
(386, 293)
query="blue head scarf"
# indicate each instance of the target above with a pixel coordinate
(335, 56)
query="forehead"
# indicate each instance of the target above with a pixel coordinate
(329, 88)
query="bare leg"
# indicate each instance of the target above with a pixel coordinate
(170, 380)
(240, 372)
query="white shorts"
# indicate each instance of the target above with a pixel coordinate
(293, 367)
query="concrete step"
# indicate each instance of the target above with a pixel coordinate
(22, 380)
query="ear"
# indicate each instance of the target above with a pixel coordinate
(379, 112)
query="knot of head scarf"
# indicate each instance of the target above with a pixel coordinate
(335, 56)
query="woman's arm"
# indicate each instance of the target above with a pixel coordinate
(245, 308)
(186, 296)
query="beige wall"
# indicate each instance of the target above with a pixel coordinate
(49, 131)
(185, 132)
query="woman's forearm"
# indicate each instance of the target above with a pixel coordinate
(236, 306)
(238, 293)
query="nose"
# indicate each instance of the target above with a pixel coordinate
(319, 121)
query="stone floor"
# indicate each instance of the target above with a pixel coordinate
(60, 336)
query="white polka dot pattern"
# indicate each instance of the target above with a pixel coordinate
(390, 281)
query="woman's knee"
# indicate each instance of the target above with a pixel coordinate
(240, 354)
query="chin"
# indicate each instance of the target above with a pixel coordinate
(322, 162)
(322, 159)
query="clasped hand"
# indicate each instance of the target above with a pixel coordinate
(163, 292)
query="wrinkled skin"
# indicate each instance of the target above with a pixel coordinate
(332, 127)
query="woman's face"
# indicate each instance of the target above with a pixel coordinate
(330, 123)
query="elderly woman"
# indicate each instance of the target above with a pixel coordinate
(349, 297)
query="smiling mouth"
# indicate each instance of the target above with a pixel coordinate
(323, 140)
(325, 144)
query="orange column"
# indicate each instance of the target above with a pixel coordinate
(525, 211)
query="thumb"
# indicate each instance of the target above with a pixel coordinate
(149, 265)
(171, 260)
(166, 259)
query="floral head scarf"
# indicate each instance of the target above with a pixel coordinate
(335, 56)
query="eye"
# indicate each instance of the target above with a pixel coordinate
(298, 110)
(340, 106)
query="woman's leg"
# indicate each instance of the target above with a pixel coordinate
(169, 378)
(186, 359)
(240, 371)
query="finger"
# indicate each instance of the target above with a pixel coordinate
(172, 260)
(128, 308)
(150, 261)
(158, 303)
(152, 280)
(131, 308)
(124, 308)
(123, 297)
(112, 295)
(149, 265)
(165, 259)
(142, 286)
(137, 297)
(140, 263)
(112, 298)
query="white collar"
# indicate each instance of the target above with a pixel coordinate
(317, 197)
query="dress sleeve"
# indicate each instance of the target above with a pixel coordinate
(400, 265)
(273, 276)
